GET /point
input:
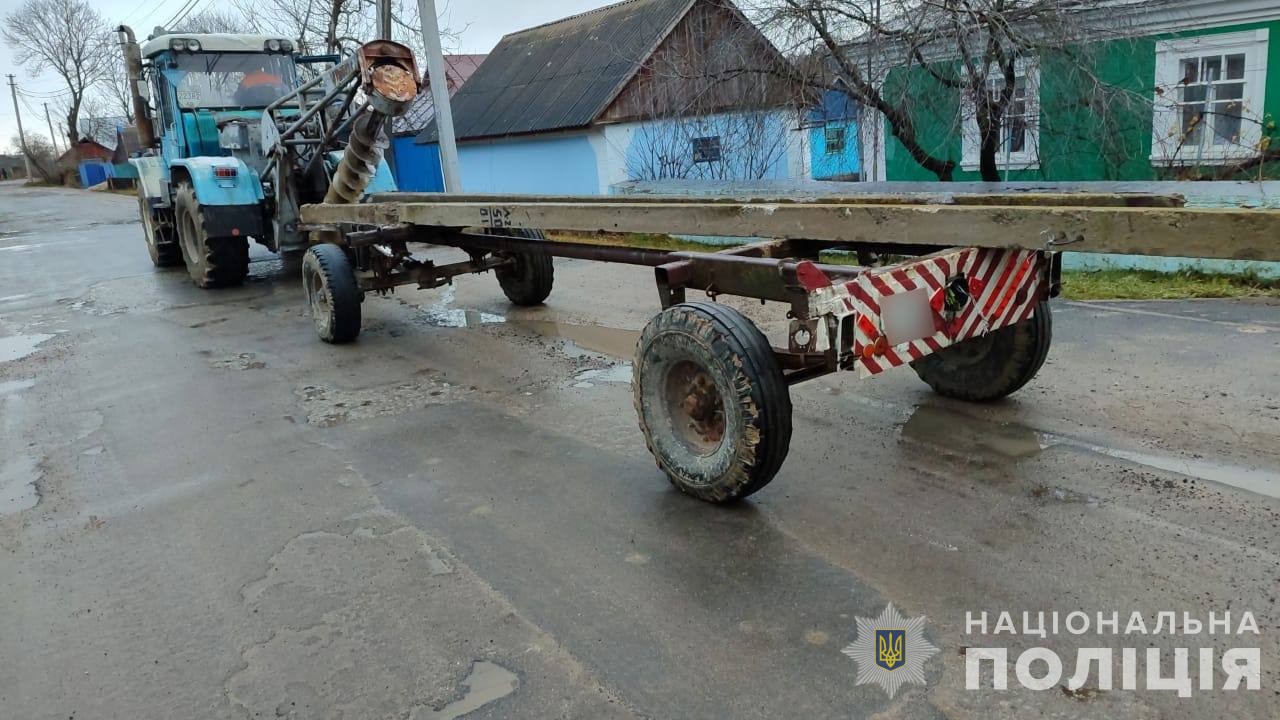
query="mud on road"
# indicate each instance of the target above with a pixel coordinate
(204, 512)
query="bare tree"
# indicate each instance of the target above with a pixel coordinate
(41, 153)
(973, 64)
(68, 37)
(224, 20)
(716, 100)
(335, 26)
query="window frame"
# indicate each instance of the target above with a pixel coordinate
(1166, 115)
(837, 148)
(1028, 69)
(711, 142)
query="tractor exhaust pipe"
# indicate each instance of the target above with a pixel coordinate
(133, 65)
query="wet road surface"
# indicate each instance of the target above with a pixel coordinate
(205, 512)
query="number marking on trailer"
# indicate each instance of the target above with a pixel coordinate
(497, 216)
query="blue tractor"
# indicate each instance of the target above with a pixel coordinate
(236, 132)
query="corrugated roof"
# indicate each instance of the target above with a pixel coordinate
(562, 74)
(457, 70)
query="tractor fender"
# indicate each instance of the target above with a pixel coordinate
(229, 205)
(243, 189)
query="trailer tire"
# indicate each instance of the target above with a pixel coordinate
(529, 280)
(211, 261)
(712, 402)
(162, 241)
(333, 295)
(993, 366)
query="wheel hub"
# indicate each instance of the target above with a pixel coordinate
(696, 407)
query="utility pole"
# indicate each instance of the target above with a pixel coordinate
(384, 19)
(384, 33)
(440, 96)
(53, 139)
(22, 137)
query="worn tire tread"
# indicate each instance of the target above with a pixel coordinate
(769, 391)
(999, 376)
(344, 291)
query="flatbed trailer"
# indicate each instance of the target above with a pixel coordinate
(964, 301)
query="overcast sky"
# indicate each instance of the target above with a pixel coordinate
(481, 22)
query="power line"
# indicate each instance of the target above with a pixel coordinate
(186, 8)
(50, 95)
(154, 9)
(193, 7)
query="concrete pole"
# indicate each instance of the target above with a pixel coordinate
(384, 19)
(440, 96)
(53, 139)
(388, 126)
(22, 137)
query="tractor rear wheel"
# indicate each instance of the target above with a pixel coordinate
(162, 241)
(211, 261)
(992, 366)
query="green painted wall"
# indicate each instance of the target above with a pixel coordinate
(1077, 142)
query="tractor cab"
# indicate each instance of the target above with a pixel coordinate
(210, 91)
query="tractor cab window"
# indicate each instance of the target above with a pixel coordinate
(230, 80)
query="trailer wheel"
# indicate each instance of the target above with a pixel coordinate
(712, 402)
(211, 261)
(333, 296)
(993, 366)
(162, 243)
(529, 280)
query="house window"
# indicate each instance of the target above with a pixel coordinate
(1019, 127)
(706, 149)
(834, 140)
(1209, 94)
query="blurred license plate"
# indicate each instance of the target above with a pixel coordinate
(907, 316)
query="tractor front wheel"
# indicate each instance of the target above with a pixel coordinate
(162, 244)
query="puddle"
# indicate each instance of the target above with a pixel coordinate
(620, 373)
(583, 339)
(16, 347)
(442, 314)
(485, 683)
(18, 478)
(959, 433)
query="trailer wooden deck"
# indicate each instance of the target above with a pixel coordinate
(1094, 222)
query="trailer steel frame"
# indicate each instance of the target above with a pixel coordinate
(967, 308)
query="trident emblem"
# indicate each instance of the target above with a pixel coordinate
(889, 648)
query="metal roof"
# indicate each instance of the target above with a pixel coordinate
(563, 74)
(457, 70)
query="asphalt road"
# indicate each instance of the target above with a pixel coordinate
(205, 512)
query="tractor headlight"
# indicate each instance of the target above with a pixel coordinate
(286, 46)
(179, 45)
(273, 45)
(193, 46)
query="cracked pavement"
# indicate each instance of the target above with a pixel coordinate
(206, 512)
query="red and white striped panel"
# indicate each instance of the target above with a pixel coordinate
(1009, 282)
